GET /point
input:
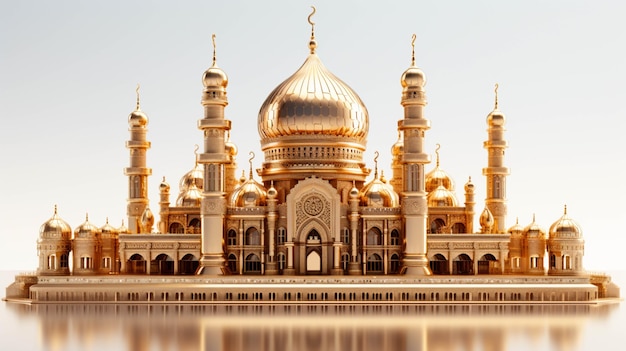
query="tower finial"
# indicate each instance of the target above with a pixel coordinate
(252, 155)
(312, 42)
(496, 91)
(214, 56)
(376, 164)
(137, 92)
(55, 209)
(195, 152)
(413, 49)
(437, 153)
(565, 210)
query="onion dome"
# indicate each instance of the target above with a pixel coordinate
(55, 228)
(86, 230)
(191, 197)
(195, 176)
(214, 77)
(495, 117)
(230, 148)
(122, 229)
(272, 193)
(517, 230)
(250, 193)
(164, 187)
(108, 231)
(377, 193)
(565, 228)
(534, 231)
(397, 149)
(486, 221)
(438, 177)
(313, 107)
(441, 197)
(137, 118)
(469, 186)
(413, 78)
(147, 221)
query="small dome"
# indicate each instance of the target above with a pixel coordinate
(486, 220)
(108, 231)
(469, 186)
(438, 177)
(441, 197)
(214, 77)
(272, 193)
(354, 192)
(194, 176)
(137, 119)
(516, 230)
(496, 118)
(397, 149)
(230, 148)
(249, 194)
(377, 193)
(87, 231)
(122, 229)
(413, 77)
(55, 228)
(147, 221)
(565, 228)
(164, 186)
(534, 231)
(191, 197)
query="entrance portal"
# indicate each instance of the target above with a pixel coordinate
(313, 250)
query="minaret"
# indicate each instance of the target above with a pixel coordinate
(137, 171)
(495, 172)
(414, 206)
(213, 206)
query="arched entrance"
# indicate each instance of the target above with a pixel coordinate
(136, 265)
(313, 253)
(487, 264)
(162, 264)
(188, 264)
(463, 265)
(439, 265)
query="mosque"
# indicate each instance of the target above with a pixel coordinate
(314, 210)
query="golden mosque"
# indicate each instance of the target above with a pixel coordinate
(314, 223)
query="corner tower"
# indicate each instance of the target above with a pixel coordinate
(495, 172)
(414, 206)
(137, 171)
(213, 204)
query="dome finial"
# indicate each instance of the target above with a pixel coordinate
(55, 209)
(252, 155)
(565, 210)
(376, 164)
(137, 92)
(312, 42)
(195, 152)
(413, 37)
(213, 41)
(496, 91)
(437, 153)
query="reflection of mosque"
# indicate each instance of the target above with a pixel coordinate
(317, 209)
(434, 327)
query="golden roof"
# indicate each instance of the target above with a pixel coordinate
(377, 193)
(190, 197)
(516, 230)
(565, 228)
(87, 230)
(486, 220)
(137, 118)
(250, 192)
(495, 117)
(534, 231)
(108, 231)
(55, 228)
(214, 77)
(438, 177)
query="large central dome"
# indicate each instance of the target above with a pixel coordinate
(313, 123)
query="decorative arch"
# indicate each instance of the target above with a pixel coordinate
(176, 228)
(463, 265)
(374, 237)
(436, 225)
(252, 264)
(374, 264)
(487, 264)
(232, 263)
(439, 264)
(253, 236)
(394, 264)
(459, 228)
(395, 238)
(195, 226)
(231, 237)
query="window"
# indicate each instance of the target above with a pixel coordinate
(345, 260)
(374, 264)
(374, 237)
(85, 262)
(106, 262)
(253, 264)
(194, 226)
(231, 237)
(394, 264)
(567, 262)
(232, 263)
(345, 236)
(52, 262)
(177, 228)
(64, 261)
(282, 235)
(534, 262)
(552, 261)
(281, 261)
(253, 237)
(395, 237)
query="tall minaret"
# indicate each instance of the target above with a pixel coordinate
(137, 171)
(414, 207)
(495, 172)
(213, 207)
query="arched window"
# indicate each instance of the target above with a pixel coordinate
(394, 264)
(253, 264)
(458, 228)
(86, 262)
(439, 265)
(313, 237)
(282, 235)
(345, 236)
(282, 259)
(567, 262)
(395, 237)
(374, 264)
(463, 264)
(52, 262)
(552, 261)
(231, 237)
(232, 263)
(374, 237)
(436, 226)
(194, 226)
(253, 237)
(487, 264)
(345, 260)
(177, 228)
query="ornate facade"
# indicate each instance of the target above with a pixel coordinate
(314, 207)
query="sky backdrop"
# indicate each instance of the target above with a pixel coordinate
(68, 72)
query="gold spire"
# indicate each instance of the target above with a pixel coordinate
(376, 164)
(55, 209)
(213, 40)
(137, 108)
(565, 210)
(413, 49)
(252, 155)
(312, 42)
(437, 153)
(496, 92)
(195, 152)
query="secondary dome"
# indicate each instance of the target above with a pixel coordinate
(565, 228)
(55, 228)
(87, 231)
(377, 193)
(441, 197)
(249, 194)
